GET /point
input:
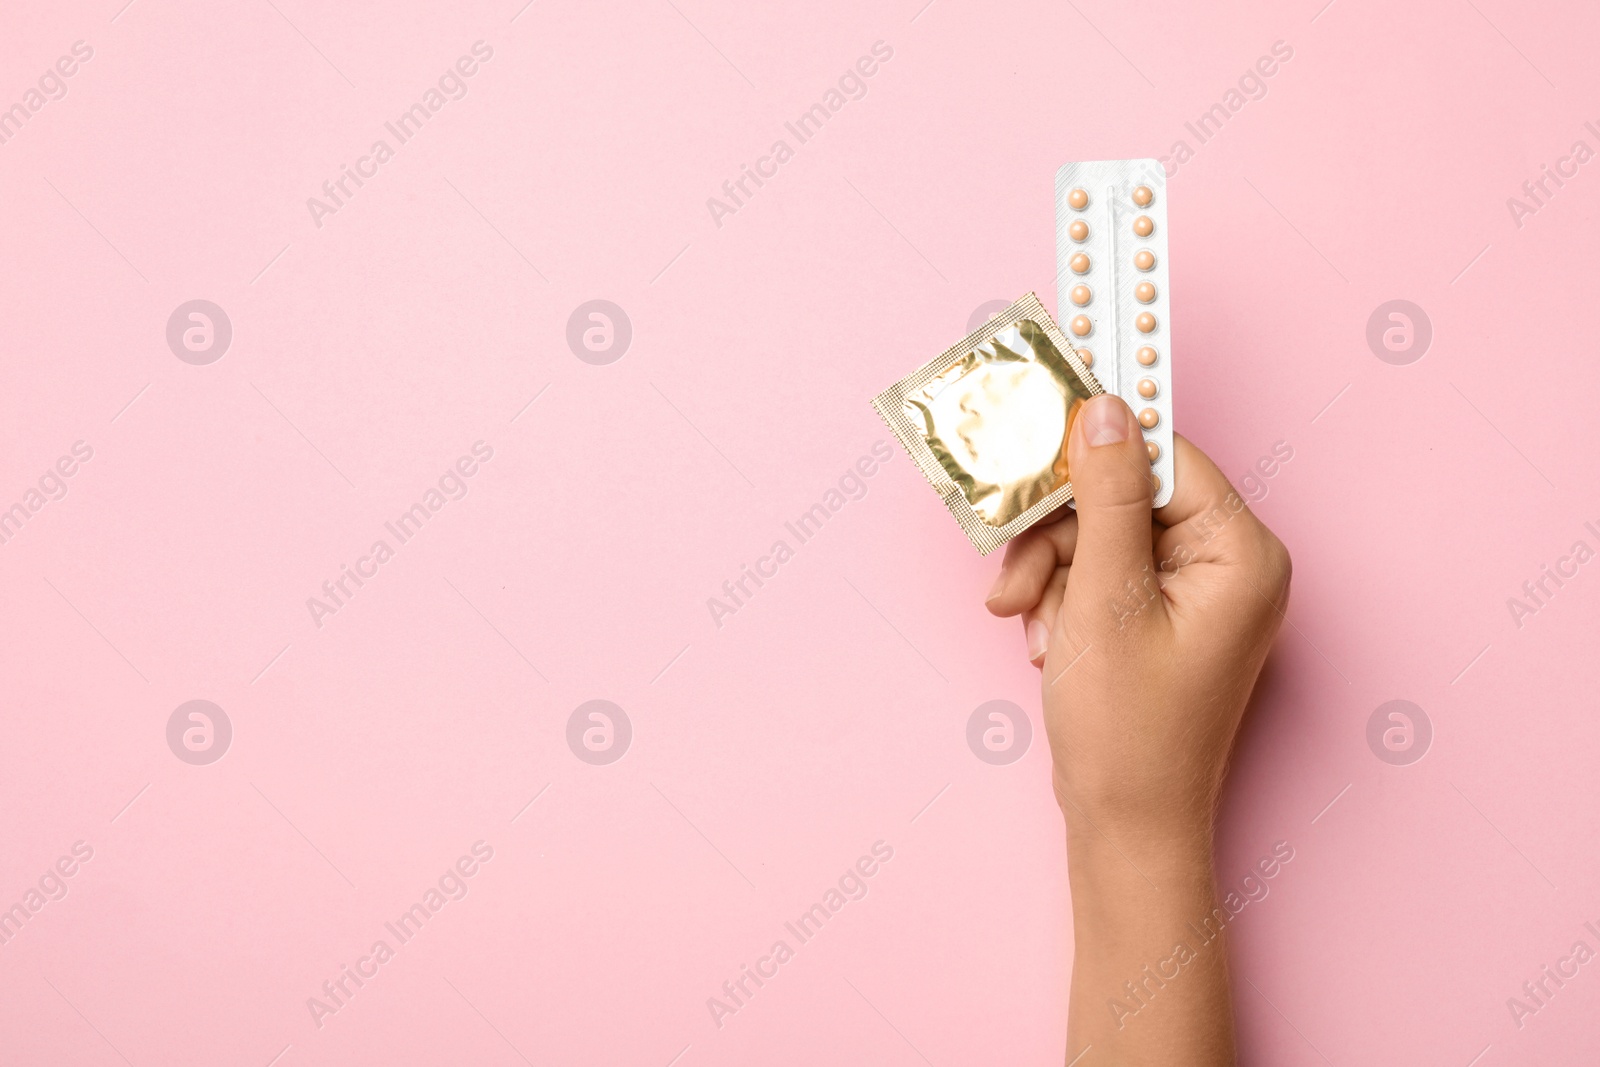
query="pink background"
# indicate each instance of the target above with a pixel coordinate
(829, 712)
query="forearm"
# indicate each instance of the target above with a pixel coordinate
(1150, 964)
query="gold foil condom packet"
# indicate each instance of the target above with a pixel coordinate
(986, 422)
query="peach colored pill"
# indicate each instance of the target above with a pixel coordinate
(1079, 264)
(1146, 356)
(1145, 322)
(1144, 292)
(1142, 196)
(1080, 295)
(1155, 483)
(1085, 355)
(1079, 230)
(1143, 226)
(1147, 387)
(1081, 325)
(1153, 450)
(1078, 199)
(1144, 259)
(1148, 418)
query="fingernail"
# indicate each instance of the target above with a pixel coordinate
(1038, 640)
(998, 587)
(1105, 422)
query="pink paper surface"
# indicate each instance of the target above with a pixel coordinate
(441, 305)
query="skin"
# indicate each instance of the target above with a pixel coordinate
(1150, 628)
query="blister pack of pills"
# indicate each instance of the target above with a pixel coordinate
(1112, 285)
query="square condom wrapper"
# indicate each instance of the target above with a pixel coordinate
(986, 422)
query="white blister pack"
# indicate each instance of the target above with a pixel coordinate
(1112, 288)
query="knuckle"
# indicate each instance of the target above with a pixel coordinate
(1117, 512)
(1273, 561)
(1014, 552)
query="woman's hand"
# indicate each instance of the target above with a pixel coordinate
(1150, 629)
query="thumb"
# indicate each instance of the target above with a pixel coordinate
(1111, 483)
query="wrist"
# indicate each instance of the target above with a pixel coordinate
(1153, 855)
(1160, 816)
(1146, 843)
(1138, 888)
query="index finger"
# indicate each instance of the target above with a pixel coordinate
(1031, 558)
(1202, 496)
